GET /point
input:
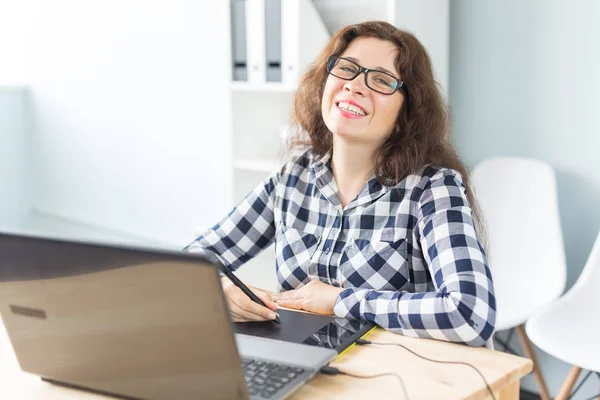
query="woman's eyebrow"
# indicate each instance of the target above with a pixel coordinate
(380, 68)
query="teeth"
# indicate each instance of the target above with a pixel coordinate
(350, 108)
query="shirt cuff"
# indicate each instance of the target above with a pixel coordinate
(347, 304)
(380, 307)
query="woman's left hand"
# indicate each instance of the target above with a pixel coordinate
(315, 296)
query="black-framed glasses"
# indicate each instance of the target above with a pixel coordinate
(376, 80)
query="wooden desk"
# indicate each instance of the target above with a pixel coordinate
(423, 379)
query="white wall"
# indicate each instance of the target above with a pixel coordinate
(429, 21)
(130, 113)
(14, 157)
(524, 81)
(12, 43)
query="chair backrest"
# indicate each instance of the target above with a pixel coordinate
(519, 203)
(589, 280)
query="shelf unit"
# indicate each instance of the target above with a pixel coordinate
(261, 112)
(269, 87)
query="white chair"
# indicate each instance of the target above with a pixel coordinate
(519, 204)
(568, 329)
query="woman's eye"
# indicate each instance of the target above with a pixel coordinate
(384, 82)
(348, 69)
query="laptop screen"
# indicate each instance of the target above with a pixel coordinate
(134, 322)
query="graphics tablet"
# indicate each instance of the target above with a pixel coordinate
(312, 329)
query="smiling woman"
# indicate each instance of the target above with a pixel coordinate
(375, 219)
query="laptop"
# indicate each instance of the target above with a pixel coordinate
(138, 324)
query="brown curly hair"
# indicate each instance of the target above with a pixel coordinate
(422, 131)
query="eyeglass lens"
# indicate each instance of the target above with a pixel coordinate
(376, 80)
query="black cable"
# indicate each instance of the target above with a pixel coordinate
(328, 370)
(363, 342)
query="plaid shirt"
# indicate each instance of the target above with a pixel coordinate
(408, 256)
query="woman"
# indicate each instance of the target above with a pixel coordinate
(375, 219)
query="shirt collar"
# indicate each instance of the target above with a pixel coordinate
(325, 182)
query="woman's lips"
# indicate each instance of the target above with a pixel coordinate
(349, 114)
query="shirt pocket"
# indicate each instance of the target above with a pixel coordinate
(294, 250)
(379, 265)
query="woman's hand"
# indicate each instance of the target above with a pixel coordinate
(315, 296)
(242, 308)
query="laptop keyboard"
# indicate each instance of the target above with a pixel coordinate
(266, 379)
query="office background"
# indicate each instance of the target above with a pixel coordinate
(123, 126)
(524, 82)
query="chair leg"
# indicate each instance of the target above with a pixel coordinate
(539, 378)
(567, 386)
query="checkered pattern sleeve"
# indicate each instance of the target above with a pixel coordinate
(246, 231)
(462, 308)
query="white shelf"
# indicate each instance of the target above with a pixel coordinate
(256, 165)
(271, 87)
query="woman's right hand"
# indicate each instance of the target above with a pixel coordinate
(242, 308)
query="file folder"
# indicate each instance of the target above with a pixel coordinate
(273, 39)
(255, 41)
(303, 36)
(290, 38)
(238, 40)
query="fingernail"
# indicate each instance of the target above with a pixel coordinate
(273, 315)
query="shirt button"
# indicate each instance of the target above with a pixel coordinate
(327, 250)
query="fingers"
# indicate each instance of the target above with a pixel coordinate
(242, 308)
(289, 299)
(266, 298)
(296, 304)
(245, 317)
(251, 310)
(239, 313)
(287, 295)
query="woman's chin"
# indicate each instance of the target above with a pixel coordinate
(346, 131)
(347, 135)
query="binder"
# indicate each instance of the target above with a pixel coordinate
(255, 41)
(303, 35)
(273, 39)
(238, 40)
(290, 39)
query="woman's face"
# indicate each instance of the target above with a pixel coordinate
(377, 113)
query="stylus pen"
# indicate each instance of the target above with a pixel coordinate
(244, 288)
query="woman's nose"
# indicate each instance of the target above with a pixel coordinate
(354, 87)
